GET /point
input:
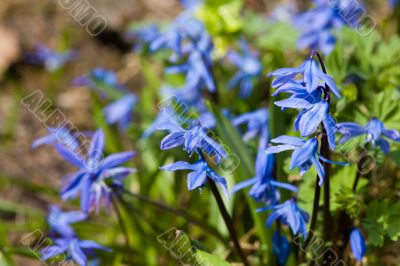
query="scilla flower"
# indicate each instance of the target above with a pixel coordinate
(51, 59)
(95, 175)
(120, 111)
(100, 79)
(59, 135)
(65, 239)
(375, 131)
(357, 244)
(288, 213)
(255, 121)
(281, 248)
(198, 177)
(250, 69)
(191, 140)
(313, 77)
(304, 156)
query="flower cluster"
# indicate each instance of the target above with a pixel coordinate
(95, 182)
(318, 24)
(194, 140)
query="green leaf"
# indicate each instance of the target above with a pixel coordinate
(205, 258)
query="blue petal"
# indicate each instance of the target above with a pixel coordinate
(77, 253)
(296, 103)
(357, 244)
(311, 119)
(117, 159)
(196, 179)
(173, 140)
(330, 127)
(181, 165)
(320, 169)
(283, 185)
(289, 140)
(304, 153)
(244, 184)
(392, 134)
(69, 156)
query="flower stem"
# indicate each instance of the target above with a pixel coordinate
(178, 212)
(313, 223)
(228, 221)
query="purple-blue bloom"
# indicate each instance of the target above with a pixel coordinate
(90, 179)
(120, 111)
(59, 135)
(76, 249)
(51, 59)
(60, 221)
(357, 244)
(288, 213)
(198, 177)
(143, 36)
(304, 156)
(313, 77)
(250, 69)
(97, 77)
(281, 248)
(318, 25)
(191, 139)
(375, 131)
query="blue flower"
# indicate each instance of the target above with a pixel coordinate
(120, 111)
(59, 135)
(190, 4)
(311, 117)
(375, 130)
(304, 156)
(264, 186)
(249, 69)
(313, 77)
(191, 139)
(98, 78)
(257, 122)
(93, 179)
(299, 93)
(60, 221)
(317, 25)
(288, 213)
(281, 248)
(51, 59)
(394, 3)
(198, 177)
(76, 249)
(357, 244)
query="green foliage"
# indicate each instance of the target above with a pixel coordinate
(348, 201)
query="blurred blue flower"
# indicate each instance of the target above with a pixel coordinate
(59, 135)
(97, 77)
(191, 139)
(375, 131)
(250, 69)
(190, 4)
(304, 156)
(313, 77)
(288, 213)
(51, 59)
(198, 177)
(93, 179)
(281, 248)
(143, 36)
(264, 186)
(318, 25)
(76, 249)
(394, 3)
(357, 244)
(257, 122)
(120, 111)
(60, 221)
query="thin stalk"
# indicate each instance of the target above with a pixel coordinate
(228, 222)
(179, 212)
(313, 222)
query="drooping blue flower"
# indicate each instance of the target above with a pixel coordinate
(59, 135)
(191, 140)
(288, 213)
(298, 93)
(318, 25)
(250, 69)
(311, 117)
(98, 78)
(281, 248)
(120, 111)
(51, 59)
(94, 176)
(198, 177)
(76, 249)
(394, 3)
(313, 77)
(375, 131)
(264, 186)
(257, 122)
(357, 244)
(304, 156)
(60, 221)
